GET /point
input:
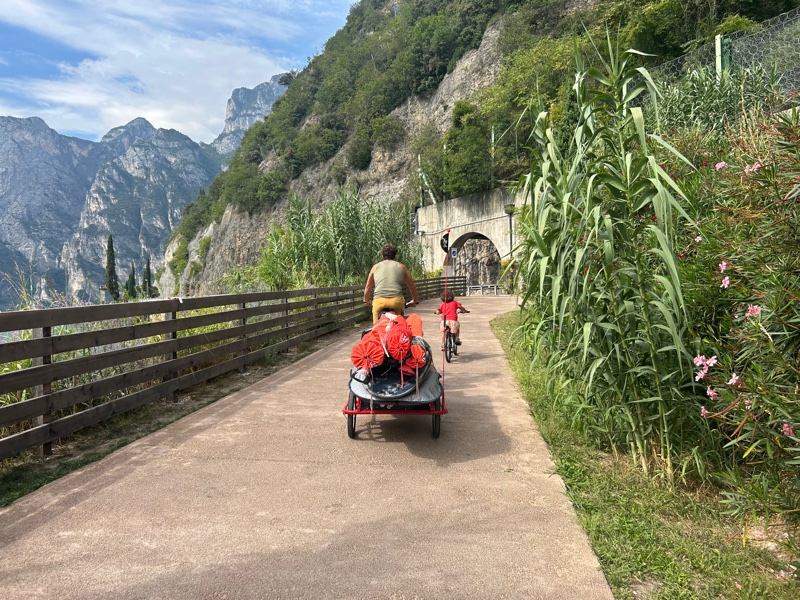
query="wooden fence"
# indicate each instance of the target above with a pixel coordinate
(64, 369)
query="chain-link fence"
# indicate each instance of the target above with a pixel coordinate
(774, 47)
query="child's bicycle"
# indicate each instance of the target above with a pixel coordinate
(450, 346)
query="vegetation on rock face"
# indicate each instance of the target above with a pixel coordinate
(342, 100)
(343, 97)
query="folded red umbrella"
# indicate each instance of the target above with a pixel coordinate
(367, 353)
(418, 357)
(415, 323)
(398, 341)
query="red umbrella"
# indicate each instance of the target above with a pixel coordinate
(418, 357)
(367, 354)
(398, 341)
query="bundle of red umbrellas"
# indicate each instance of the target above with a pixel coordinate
(391, 336)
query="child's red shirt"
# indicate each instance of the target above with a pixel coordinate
(449, 310)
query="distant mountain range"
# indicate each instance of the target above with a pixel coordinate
(62, 196)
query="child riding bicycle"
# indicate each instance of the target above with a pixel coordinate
(449, 309)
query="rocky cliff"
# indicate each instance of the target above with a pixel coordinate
(245, 107)
(237, 240)
(44, 179)
(61, 197)
(137, 195)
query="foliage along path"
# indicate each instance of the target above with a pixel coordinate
(263, 495)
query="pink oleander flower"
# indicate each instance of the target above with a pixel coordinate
(701, 373)
(700, 360)
(748, 404)
(748, 169)
(703, 411)
(733, 380)
(722, 266)
(711, 393)
(712, 361)
(787, 430)
(698, 239)
(753, 310)
(726, 281)
(720, 165)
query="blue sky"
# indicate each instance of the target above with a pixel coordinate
(87, 66)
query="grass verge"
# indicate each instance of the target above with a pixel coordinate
(25, 473)
(653, 543)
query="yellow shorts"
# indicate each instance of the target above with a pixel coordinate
(397, 304)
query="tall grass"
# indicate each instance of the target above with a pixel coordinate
(604, 300)
(713, 102)
(336, 245)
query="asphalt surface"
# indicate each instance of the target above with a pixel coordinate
(263, 495)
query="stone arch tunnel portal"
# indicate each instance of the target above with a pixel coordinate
(478, 259)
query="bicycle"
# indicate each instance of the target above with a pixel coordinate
(450, 346)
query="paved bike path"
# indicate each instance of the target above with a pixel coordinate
(263, 495)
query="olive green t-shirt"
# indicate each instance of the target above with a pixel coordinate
(389, 279)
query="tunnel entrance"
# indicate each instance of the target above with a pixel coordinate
(478, 260)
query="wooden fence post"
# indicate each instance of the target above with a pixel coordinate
(172, 335)
(246, 349)
(42, 389)
(285, 313)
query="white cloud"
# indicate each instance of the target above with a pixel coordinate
(174, 63)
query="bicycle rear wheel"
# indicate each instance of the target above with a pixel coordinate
(449, 344)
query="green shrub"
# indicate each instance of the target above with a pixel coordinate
(388, 132)
(712, 103)
(180, 259)
(359, 152)
(741, 280)
(203, 248)
(603, 292)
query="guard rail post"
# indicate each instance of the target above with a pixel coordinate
(42, 389)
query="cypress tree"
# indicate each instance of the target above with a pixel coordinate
(112, 281)
(130, 285)
(147, 280)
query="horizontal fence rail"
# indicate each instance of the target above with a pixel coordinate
(432, 288)
(65, 369)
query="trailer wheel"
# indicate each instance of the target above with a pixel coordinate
(351, 419)
(436, 420)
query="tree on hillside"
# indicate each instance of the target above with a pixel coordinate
(148, 291)
(130, 284)
(467, 164)
(112, 281)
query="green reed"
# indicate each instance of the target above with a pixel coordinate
(604, 301)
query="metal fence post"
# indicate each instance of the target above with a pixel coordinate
(42, 389)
